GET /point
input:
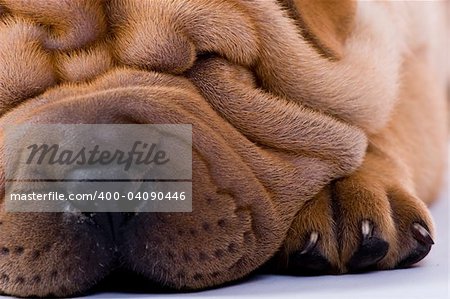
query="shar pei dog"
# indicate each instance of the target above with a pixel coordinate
(319, 134)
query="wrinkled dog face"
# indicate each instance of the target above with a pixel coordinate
(86, 61)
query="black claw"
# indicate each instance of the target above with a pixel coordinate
(312, 242)
(422, 234)
(309, 261)
(424, 244)
(370, 252)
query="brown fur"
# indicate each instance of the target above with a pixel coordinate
(326, 23)
(274, 123)
(401, 173)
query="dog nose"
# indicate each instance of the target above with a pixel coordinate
(110, 172)
(100, 189)
(110, 223)
(82, 181)
(106, 187)
(92, 180)
(87, 174)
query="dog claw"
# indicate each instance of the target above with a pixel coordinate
(371, 250)
(366, 229)
(422, 234)
(424, 243)
(310, 260)
(313, 238)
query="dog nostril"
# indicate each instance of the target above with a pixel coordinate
(111, 223)
(86, 181)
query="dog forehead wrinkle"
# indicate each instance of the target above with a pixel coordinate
(73, 24)
(201, 23)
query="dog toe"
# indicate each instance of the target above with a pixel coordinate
(424, 244)
(371, 250)
(311, 263)
(372, 226)
(309, 260)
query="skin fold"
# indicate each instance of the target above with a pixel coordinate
(319, 133)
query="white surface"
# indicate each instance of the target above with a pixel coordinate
(428, 280)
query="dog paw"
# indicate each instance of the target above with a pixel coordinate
(364, 222)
